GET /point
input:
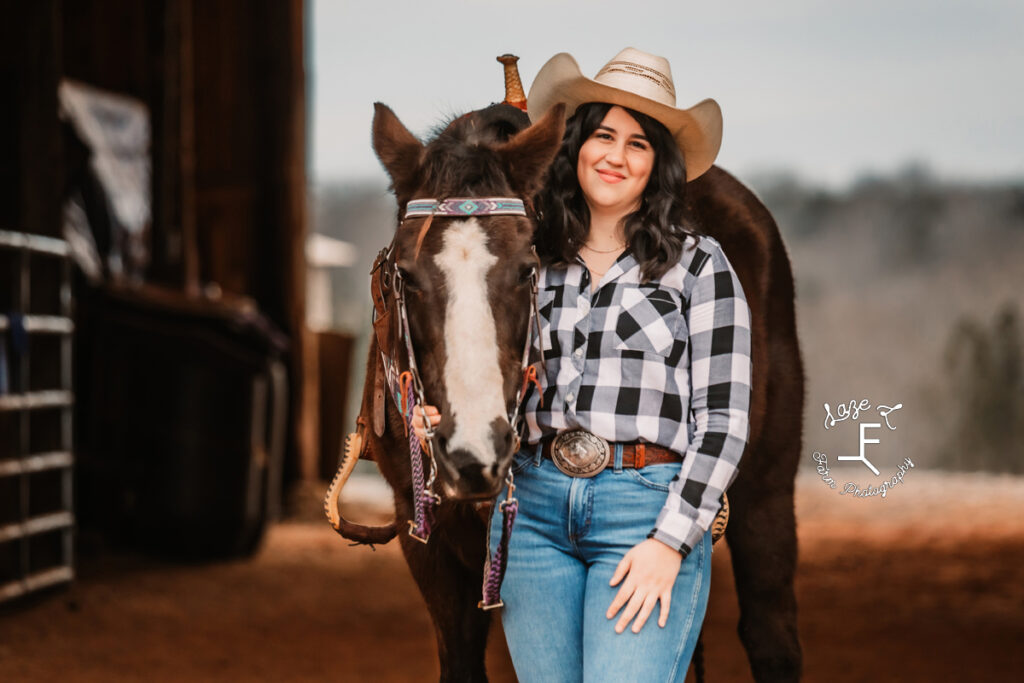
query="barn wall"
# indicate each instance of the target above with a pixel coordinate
(225, 86)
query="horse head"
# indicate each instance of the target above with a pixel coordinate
(467, 281)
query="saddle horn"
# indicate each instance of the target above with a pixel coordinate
(514, 93)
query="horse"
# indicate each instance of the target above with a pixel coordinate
(458, 291)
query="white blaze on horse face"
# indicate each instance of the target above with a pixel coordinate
(472, 375)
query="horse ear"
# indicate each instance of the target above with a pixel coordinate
(528, 154)
(398, 149)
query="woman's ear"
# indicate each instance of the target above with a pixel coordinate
(398, 150)
(528, 154)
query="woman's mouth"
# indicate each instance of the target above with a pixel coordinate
(611, 176)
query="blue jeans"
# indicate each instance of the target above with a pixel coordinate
(568, 538)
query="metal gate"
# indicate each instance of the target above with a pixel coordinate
(36, 519)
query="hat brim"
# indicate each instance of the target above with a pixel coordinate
(697, 130)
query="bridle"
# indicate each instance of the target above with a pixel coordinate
(406, 387)
(458, 207)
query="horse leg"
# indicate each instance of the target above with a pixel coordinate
(451, 592)
(762, 542)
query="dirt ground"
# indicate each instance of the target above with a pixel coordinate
(925, 585)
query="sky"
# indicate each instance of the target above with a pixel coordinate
(828, 91)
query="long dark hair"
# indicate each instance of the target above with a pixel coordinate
(655, 232)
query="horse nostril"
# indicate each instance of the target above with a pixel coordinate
(443, 443)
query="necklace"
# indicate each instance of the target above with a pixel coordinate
(603, 251)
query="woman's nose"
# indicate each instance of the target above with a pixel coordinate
(616, 154)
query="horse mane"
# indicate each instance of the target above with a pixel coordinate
(461, 160)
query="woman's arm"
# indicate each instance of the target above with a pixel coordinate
(718, 320)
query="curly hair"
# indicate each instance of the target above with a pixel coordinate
(655, 232)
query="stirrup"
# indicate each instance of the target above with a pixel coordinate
(721, 521)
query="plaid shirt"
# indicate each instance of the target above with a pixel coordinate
(665, 362)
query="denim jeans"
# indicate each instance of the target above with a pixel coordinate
(568, 538)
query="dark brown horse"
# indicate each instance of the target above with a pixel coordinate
(467, 286)
(468, 297)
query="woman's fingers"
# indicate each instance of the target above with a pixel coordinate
(620, 599)
(431, 413)
(646, 573)
(634, 605)
(620, 570)
(666, 600)
(645, 611)
(420, 414)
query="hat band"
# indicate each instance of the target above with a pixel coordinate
(640, 70)
(466, 206)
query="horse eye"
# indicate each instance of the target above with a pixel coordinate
(410, 282)
(525, 274)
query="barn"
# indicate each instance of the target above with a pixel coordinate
(159, 385)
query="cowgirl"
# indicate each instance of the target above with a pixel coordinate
(646, 382)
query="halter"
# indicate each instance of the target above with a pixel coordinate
(407, 387)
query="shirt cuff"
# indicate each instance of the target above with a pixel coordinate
(677, 530)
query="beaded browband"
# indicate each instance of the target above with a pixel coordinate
(466, 206)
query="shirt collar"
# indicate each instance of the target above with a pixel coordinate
(625, 263)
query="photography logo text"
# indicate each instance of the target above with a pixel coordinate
(852, 412)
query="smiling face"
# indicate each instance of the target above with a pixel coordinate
(615, 164)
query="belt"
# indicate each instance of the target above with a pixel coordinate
(582, 454)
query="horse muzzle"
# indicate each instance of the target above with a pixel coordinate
(468, 474)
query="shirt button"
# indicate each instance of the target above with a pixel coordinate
(578, 353)
(570, 397)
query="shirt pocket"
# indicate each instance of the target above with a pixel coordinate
(649, 320)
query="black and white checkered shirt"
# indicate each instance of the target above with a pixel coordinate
(667, 362)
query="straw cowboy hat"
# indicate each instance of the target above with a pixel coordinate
(639, 81)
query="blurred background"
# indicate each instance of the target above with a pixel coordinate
(189, 208)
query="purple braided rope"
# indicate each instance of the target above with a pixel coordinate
(495, 569)
(423, 500)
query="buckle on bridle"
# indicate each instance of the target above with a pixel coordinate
(579, 453)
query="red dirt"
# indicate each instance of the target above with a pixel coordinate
(924, 585)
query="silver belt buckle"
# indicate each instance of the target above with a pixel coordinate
(580, 454)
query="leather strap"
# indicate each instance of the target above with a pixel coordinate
(636, 455)
(383, 330)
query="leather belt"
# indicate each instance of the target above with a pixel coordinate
(581, 454)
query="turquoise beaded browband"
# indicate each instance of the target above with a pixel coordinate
(466, 206)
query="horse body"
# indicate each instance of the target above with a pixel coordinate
(762, 524)
(468, 315)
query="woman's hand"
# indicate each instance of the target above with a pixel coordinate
(650, 569)
(419, 425)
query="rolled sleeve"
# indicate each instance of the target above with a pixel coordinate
(718, 319)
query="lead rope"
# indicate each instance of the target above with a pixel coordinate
(494, 570)
(424, 499)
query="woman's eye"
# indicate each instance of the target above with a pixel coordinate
(639, 145)
(603, 136)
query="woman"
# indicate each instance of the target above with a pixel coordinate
(646, 387)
